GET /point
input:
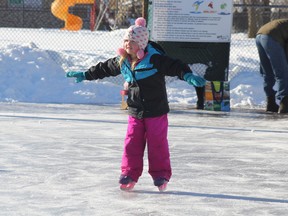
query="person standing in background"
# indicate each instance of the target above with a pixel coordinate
(272, 45)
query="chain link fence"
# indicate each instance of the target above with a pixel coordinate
(247, 19)
(111, 15)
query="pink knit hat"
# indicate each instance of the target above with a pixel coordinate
(138, 33)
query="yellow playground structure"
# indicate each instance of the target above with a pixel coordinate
(60, 9)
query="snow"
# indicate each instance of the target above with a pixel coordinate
(61, 142)
(33, 63)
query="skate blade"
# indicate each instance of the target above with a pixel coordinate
(163, 187)
(127, 187)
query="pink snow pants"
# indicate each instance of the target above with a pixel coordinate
(152, 131)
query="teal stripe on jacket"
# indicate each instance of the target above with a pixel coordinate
(143, 69)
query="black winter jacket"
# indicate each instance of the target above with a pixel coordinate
(147, 96)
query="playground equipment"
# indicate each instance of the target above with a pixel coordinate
(60, 9)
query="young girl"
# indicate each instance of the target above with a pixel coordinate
(144, 69)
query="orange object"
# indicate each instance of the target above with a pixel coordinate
(124, 94)
(59, 9)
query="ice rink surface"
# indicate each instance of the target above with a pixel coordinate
(64, 159)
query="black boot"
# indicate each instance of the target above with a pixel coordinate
(283, 105)
(200, 91)
(271, 104)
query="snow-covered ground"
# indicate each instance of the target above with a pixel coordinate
(33, 63)
(61, 142)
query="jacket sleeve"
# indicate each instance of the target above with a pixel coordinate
(103, 69)
(169, 66)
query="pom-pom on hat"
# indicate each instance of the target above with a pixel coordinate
(138, 33)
